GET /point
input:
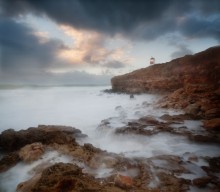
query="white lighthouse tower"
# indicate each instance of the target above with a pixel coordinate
(152, 61)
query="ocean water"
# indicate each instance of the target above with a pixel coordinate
(86, 108)
(82, 107)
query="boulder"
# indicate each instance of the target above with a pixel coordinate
(8, 161)
(212, 123)
(192, 109)
(11, 140)
(66, 177)
(27, 185)
(122, 181)
(201, 182)
(31, 152)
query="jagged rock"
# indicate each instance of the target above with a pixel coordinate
(212, 123)
(214, 164)
(191, 83)
(212, 113)
(31, 152)
(59, 177)
(122, 181)
(28, 185)
(11, 140)
(192, 109)
(195, 73)
(65, 177)
(102, 161)
(172, 184)
(8, 161)
(201, 182)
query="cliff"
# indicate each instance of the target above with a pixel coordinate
(192, 83)
(199, 72)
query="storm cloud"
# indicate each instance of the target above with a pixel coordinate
(22, 51)
(137, 19)
(102, 33)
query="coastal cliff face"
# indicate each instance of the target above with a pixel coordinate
(197, 73)
(192, 83)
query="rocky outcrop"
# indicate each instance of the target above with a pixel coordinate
(81, 172)
(195, 73)
(191, 83)
(11, 140)
(31, 152)
(8, 161)
(64, 177)
(212, 123)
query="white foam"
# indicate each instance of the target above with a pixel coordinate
(24, 171)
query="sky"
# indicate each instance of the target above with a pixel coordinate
(90, 41)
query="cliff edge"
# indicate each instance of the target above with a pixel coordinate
(192, 83)
(200, 71)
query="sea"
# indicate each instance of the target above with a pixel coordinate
(87, 108)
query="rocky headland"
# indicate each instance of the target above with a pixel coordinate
(190, 83)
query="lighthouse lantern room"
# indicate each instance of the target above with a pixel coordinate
(152, 60)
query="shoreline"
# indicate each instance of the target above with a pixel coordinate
(121, 173)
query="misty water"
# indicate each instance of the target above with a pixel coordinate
(86, 108)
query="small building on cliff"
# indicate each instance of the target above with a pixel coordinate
(152, 61)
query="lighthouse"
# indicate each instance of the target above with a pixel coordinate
(152, 60)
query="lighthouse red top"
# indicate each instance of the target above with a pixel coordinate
(152, 60)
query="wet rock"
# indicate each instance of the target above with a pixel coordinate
(28, 185)
(8, 161)
(175, 75)
(176, 118)
(146, 104)
(217, 92)
(66, 177)
(171, 183)
(212, 113)
(90, 147)
(148, 120)
(201, 182)
(122, 181)
(168, 163)
(31, 152)
(192, 109)
(193, 157)
(212, 124)
(214, 164)
(102, 161)
(11, 140)
(59, 177)
(131, 96)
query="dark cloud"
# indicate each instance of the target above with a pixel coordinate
(22, 51)
(25, 58)
(109, 16)
(182, 50)
(206, 7)
(137, 19)
(198, 26)
(178, 41)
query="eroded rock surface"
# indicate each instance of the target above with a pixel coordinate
(190, 83)
(195, 73)
(31, 152)
(86, 162)
(11, 140)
